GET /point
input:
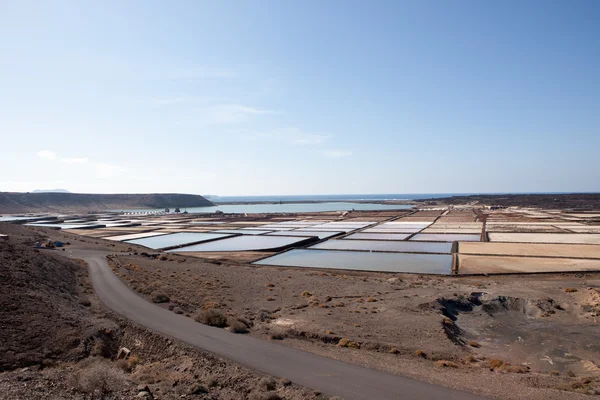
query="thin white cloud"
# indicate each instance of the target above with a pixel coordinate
(105, 171)
(289, 135)
(74, 160)
(336, 153)
(231, 113)
(46, 154)
(173, 100)
(193, 73)
(309, 139)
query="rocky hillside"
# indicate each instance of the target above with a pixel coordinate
(11, 202)
(43, 307)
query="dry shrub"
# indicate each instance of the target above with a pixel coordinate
(98, 378)
(267, 384)
(570, 290)
(503, 366)
(100, 348)
(421, 353)
(269, 285)
(132, 362)
(472, 343)
(471, 359)
(371, 300)
(238, 326)
(348, 343)
(278, 334)
(285, 382)
(263, 396)
(495, 363)
(446, 364)
(158, 297)
(394, 350)
(306, 293)
(212, 318)
(270, 299)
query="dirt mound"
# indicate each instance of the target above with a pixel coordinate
(43, 308)
(79, 202)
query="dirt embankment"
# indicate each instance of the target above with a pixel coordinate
(57, 341)
(12, 202)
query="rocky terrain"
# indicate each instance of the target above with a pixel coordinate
(11, 202)
(577, 201)
(58, 341)
(496, 336)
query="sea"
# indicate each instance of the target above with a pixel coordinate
(301, 203)
(329, 197)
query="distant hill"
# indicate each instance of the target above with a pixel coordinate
(12, 202)
(50, 191)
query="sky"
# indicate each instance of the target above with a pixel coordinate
(300, 97)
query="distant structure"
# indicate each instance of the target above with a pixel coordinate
(167, 210)
(494, 207)
(177, 210)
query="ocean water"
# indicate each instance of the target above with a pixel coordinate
(284, 208)
(329, 197)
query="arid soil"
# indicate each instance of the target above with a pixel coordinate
(58, 341)
(581, 201)
(503, 337)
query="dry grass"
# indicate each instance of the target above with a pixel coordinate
(570, 290)
(506, 367)
(348, 343)
(473, 343)
(446, 364)
(421, 353)
(267, 384)
(277, 334)
(98, 378)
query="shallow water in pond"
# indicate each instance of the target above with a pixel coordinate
(385, 245)
(176, 239)
(244, 243)
(440, 264)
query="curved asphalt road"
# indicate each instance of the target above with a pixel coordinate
(329, 376)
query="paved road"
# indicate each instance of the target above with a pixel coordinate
(329, 376)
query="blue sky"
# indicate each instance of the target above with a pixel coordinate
(300, 97)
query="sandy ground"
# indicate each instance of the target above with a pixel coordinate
(546, 238)
(468, 264)
(531, 249)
